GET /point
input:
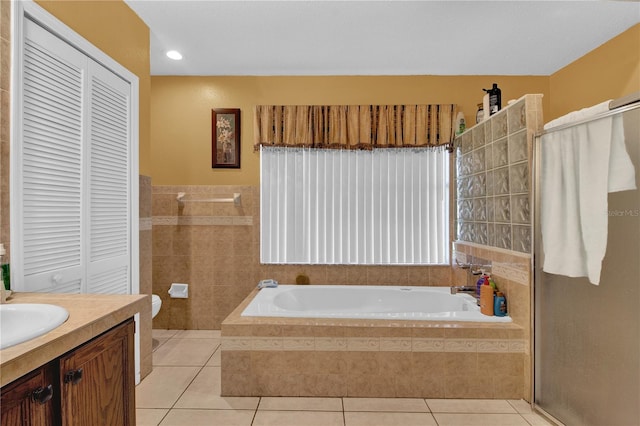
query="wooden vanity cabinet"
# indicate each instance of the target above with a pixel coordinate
(94, 384)
(97, 380)
(30, 399)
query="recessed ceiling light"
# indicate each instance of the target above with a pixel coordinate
(174, 54)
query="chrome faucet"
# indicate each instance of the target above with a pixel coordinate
(463, 289)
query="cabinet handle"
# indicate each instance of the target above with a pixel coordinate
(42, 395)
(73, 376)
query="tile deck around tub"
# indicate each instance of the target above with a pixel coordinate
(321, 357)
(190, 395)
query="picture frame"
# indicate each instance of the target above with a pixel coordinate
(225, 135)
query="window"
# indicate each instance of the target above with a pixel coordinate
(377, 207)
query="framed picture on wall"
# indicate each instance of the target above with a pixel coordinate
(225, 132)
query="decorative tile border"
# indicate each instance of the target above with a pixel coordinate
(164, 220)
(145, 224)
(512, 273)
(203, 220)
(371, 344)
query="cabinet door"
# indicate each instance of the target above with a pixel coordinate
(97, 380)
(29, 400)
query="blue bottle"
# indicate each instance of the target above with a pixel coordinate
(500, 305)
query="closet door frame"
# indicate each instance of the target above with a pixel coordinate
(29, 9)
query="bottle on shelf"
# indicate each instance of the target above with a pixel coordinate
(495, 99)
(479, 114)
(500, 305)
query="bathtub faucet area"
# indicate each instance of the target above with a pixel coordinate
(463, 289)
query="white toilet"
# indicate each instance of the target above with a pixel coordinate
(156, 303)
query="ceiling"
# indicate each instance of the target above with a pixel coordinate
(378, 37)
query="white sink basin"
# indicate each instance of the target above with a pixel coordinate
(25, 321)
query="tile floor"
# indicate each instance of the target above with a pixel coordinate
(184, 390)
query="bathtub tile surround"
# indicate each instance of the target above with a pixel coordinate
(494, 178)
(506, 142)
(215, 248)
(370, 358)
(512, 273)
(189, 394)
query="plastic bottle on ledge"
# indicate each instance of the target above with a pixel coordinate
(500, 305)
(485, 106)
(484, 277)
(460, 123)
(487, 303)
(495, 99)
(479, 114)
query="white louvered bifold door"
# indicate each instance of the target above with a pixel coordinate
(51, 188)
(109, 192)
(73, 171)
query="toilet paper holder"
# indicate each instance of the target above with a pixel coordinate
(179, 291)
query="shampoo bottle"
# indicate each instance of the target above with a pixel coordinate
(479, 284)
(495, 99)
(487, 301)
(500, 305)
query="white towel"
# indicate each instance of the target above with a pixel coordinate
(580, 165)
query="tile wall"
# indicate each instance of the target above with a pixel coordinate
(214, 247)
(145, 272)
(493, 198)
(493, 163)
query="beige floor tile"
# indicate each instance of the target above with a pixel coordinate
(163, 334)
(156, 343)
(204, 392)
(520, 405)
(185, 352)
(407, 405)
(470, 406)
(163, 386)
(298, 418)
(309, 404)
(197, 334)
(215, 360)
(150, 417)
(388, 419)
(208, 418)
(452, 419)
(535, 419)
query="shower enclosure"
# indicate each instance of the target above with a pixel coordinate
(587, 337)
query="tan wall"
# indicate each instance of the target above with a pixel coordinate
(116, 30)
(181, 111)
(607, 72)
(5, 117)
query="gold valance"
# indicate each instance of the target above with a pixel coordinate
(354, 126)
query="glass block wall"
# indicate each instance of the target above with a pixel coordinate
(493, 177)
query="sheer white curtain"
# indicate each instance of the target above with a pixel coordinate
(384, 206)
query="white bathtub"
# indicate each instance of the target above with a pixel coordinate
(370, 302)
